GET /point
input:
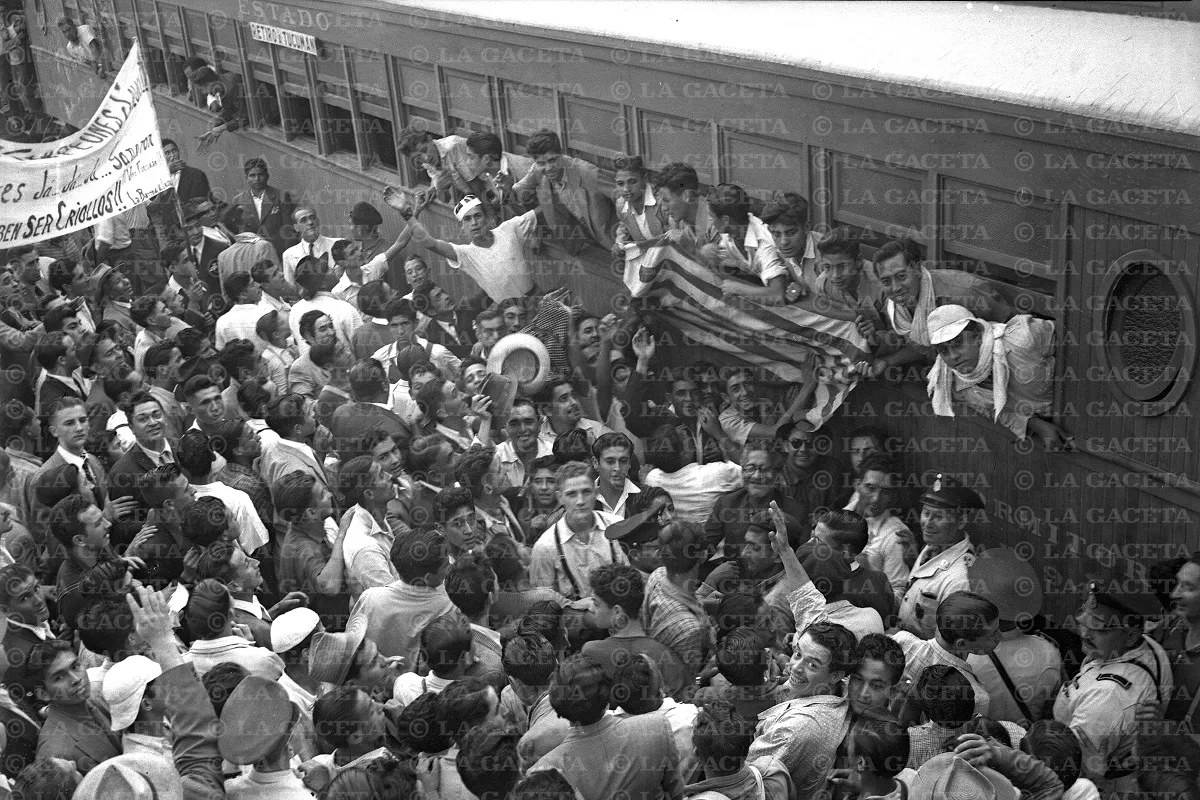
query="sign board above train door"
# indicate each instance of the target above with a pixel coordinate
(284, 38)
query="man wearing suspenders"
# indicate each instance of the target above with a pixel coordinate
(564, 556)
(1121, 669)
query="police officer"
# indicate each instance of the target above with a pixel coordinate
(1121, 669)
(638, 534)
(365, 220)
(941, 567)
(1022, 674)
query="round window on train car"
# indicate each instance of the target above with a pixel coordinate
(1149, 332)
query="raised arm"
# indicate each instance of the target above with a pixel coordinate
(423, 238)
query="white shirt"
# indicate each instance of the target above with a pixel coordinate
(240, 322)
(501, 270)
(619, 508)
(292, 256)
(373, 270)
(446, 362)
(507, 468)
(364, 534)
(545, 567)
(696, 487)
(243, 519)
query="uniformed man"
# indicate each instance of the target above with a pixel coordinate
(365, 220)
(638, 534)
(1022, 674)
(1122, 668)
(942, 565)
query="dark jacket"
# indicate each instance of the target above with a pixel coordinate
(275, 223)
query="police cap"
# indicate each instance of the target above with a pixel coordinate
(947, 492)
(365, 214)
(1129, 598)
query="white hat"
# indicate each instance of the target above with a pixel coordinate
(948, 776)
(290, 629)
(946, 322)
(466, 204)
(124, 686)
(524, 358)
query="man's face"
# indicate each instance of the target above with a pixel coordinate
(475, 222)
(758, 473)
(256, 179)
(843, 270)
(646, 556)
(901, 281)
(352, 256)
(613, 467)
(389, 457)
(170, 370)
(489, 332)
(473, 377)
(578, 496)
(159, 317)
(757, 557)
(69, 31)
(248, 445)
(195, 234)
(208, 405)
(95, 528)
(810, 670)
(680, 205)
(860, 448)
(70, 427)
(565, 406)
(601, 615)
(962, 352)
(28, 268)
(464, 529)
(790, 238)
(402, 329)
(72, 327)
(439, 301)
(416, 273)
(377, 677)
(551, 164)
(26, 603)
(514, 318)
(826, 537)
(146, 421)
(986, 641)
(185, 265)
(66, 681)
(1102, 632)
(871, 686)
(275, 280)
(307, 224)
(247, 573)
(683, 396)
(383, 488)
(630, 185)
(802, 452)
(542, 487)
(873, 492)
(174, 159)
(942, 527)
(741, 392)
(323, 332)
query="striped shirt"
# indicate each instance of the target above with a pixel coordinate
(804, 734)
(922, 653)
(676, 619)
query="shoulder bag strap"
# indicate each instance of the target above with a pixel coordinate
(562, 560)
(1008, 684)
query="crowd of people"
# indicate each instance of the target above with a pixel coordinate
(257, 475)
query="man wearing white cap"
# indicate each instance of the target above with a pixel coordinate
(496, 257)
(137, 708)
(1003, 370)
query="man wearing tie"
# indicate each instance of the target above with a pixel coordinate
(268, 211)
(148, 423)
(61, 377)
(312, 243)
(203, 248)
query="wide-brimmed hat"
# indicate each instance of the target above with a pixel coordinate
(1007, 580)
(524, 358)
(948, 776)
(331, 654)
(135, 776)
(257, 717)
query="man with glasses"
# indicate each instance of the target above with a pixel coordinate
(736, 511)
(810, 476)
(516, 454)
(1122, 669)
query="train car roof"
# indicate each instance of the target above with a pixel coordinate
(1134, 70)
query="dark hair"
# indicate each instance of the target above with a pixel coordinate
(239, 356)
(220, 681)
(683, 546)
(310, 274)
(884, 649)
(354, 480)
(285, 413)
(737, 610)
(308, 323)
(840, 643)
(545, 784)
(44, 779)
(786, 208)
(216, 562)
(368, 380)
(619, 585)
(730, 200)
(53, 320)
(209, 609)
(463, 705)
(386, 776)
(372, 298)
(545, 618)
(664, 449)
(839, 241)
(474, 466)
(879, 462)
(50, 348)
(945, 695)
(194, 454)
(849, 529)
(609, 440)
(237, 283)
(261, 270)
(637, 686)
(417, 726)
(205, 521)
(882, 741)
(190, 341)
(530, 658)
(678, 177)
(64, 519)
(965, 615)
(445, 640)
(722, 735)
(487, 760)
(335, 715)
(741, 658)
(292, 494)
(629, 163)
(580, 690)
(1055, 745)
(542, 142)
(484, 143)
(418, 553)
(153, 486)
(572, 446)
(450, 500)
(505, 558)
(906, 247)
(470, 583)
(253, 398)
(104, 626)
(413, 138)
(41, 657)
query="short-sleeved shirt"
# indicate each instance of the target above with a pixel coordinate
(502, 270)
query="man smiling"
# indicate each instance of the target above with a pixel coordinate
(77, 728)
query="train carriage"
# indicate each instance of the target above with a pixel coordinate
(1050, 151)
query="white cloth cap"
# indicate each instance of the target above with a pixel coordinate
(124, 686)
(290, 629)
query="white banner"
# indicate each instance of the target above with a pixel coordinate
(110, 166)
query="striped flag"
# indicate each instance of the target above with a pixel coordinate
(785, 340)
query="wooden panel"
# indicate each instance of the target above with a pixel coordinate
(468, 101)
(370, 72)
(526, 108)
(225, 42)
(869, 194)
(764, 166)
(667, 139)
(595, 130)
(197, 31)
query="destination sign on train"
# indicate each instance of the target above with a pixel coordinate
(284, 38)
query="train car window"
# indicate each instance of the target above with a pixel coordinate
(469, 106)
(763, 166)
(261, 90)
(226, 48)
(869, 194)
(369, 82)
(174, 46)
(295, 95)
(667, 139)
(525, 108)
(333, 92)
(596, 131)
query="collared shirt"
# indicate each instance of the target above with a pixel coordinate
(508, 470)
(252, 534)
(675, 618)
(207, 653)
(344, 316)
(394, 616)
(293, 255)
(566, 570)
(252, 607)
(347, 289)
(240, 322)
(618, 508)
(144, 744)
(1033, 664)
(41, 630)
(594, 429)
(920, 654)
(932, 579)
(696, 487)
(410, 686)
(164, 456)
(366, 551)
(255, 785)
(446, 362)
(804, 734)
(649, 201)
(890, 546)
